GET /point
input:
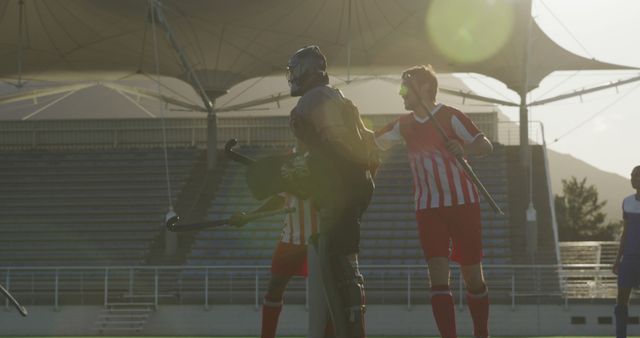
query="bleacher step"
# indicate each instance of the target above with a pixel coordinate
(132, 304)
(119, 322)
(123, 316)
(104, 329)
(126, 316)
(146, 310)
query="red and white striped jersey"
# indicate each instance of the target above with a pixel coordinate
(300, 224)
(438, 179)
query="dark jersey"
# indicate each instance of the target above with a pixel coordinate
(317, 109)
(341, 190)
(631, 214)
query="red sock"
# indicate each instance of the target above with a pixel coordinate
(479, 307)
(270, 314)
(443, 310)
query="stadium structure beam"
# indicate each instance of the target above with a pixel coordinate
(463, 94)
(585, 91)
(142, 92)
(280, 96)
(469, 95)
(212, 123)
(257, 102)
(34, 94)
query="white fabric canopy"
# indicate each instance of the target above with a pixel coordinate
(228, 41)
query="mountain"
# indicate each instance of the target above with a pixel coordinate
(611, 187)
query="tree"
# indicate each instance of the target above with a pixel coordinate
(579, 215)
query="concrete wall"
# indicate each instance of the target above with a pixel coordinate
(391, 320)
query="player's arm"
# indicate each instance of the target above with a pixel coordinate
(468, 140)
(275, 202)
(616, 263)
(388, 136)
(317, 113)
(341, 141)
(337, 136)
(481, 146)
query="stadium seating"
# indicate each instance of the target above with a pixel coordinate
(389, 234)
(581, 282)
(71, 208)
(249, 245)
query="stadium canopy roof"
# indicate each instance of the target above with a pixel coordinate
(228, 41)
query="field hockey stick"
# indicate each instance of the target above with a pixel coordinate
(20, 308)
(235, 156)
(174, 226)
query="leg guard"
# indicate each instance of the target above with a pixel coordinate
(318, 309)
(621, 312)
(344, 290)
(351, 287)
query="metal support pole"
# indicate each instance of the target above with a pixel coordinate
(130, 284)
(106, 286)
(408, 288)
(206, 289)
(513, 290)
(82, 288)
(155, 290)
(531, 224)
(193, 79)
(55, 291)
(21, 41)
(231, 288)
(7, 285)
(349, 42)
(212, 139)
(33, 286)
(524, 133)
(531, 227)
(257, 304)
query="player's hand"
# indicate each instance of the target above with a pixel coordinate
(615, 268)
(238, 219)
(455, 148)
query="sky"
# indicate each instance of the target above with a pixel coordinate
(600, 128)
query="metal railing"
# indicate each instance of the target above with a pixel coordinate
(600, 252)
(218, 285)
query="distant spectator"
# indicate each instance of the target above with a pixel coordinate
(627, 264)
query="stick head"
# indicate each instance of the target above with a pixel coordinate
(230, 144)
(23, 311)
(171, 220)
(172, 223)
